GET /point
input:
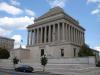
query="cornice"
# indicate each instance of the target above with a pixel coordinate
(54, 44)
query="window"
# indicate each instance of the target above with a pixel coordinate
(62, 52)
(42, 52)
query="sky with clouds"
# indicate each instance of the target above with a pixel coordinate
(16, 15)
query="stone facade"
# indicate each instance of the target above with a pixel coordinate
(55, 34)
(6, 43)
(20, 53)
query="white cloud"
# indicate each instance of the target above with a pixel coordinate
(23, 46)
(4, 32)
(54, 3)
(29, 12)
(17, 42)
(99, 6)
(10, 9)
(16, 23)
(92, 1)
(96, 11)
(17, 38)
(15, 2)
(97, 48)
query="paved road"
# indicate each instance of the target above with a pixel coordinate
(90, 71)
(12, 72)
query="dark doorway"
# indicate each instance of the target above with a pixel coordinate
(74, 52)
(62, 52)
(42, 52)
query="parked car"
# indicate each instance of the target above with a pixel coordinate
(24, 68)
(98, 64)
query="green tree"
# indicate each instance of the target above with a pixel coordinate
(4, 54)
(44, 61)
(15, 61)
(85, 51)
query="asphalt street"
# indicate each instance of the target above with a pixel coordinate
(12, 72)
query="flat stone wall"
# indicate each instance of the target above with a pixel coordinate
(7, 63)
(82, 60)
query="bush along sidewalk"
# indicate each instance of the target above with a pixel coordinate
(44, 61)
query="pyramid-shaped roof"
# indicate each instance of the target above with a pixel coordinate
(51, 12)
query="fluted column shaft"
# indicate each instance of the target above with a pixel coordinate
(77, 36)
(66, 32)
(45, 34)
(68, 28)
(83, 38)
(58, 32)
(28, 38)
(35, 36)
(41, 35)
(53, 32)
(63, 27)
(49, 37)
(74, 36)
(69, 32)
(31, 37)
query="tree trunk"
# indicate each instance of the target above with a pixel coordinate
(43, 68)
(14, 66)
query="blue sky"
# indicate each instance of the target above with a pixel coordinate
(16, 15)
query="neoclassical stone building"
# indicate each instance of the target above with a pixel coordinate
(55, 34)
(6, 43)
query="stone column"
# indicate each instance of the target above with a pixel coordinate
(41, 34)
(28, 38)
(80, 38)
(30, 41)
(83, 38)
(31, 37)
(77, 36)
(37, 35)
(66, 32)
(45, 34)
(58, 31)
(54, 33)
(74, 34)
(68, 28)
(69, 33)
(63, 27)
(49, 37)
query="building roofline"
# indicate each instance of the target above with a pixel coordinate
(6, 38)
(60, 10)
